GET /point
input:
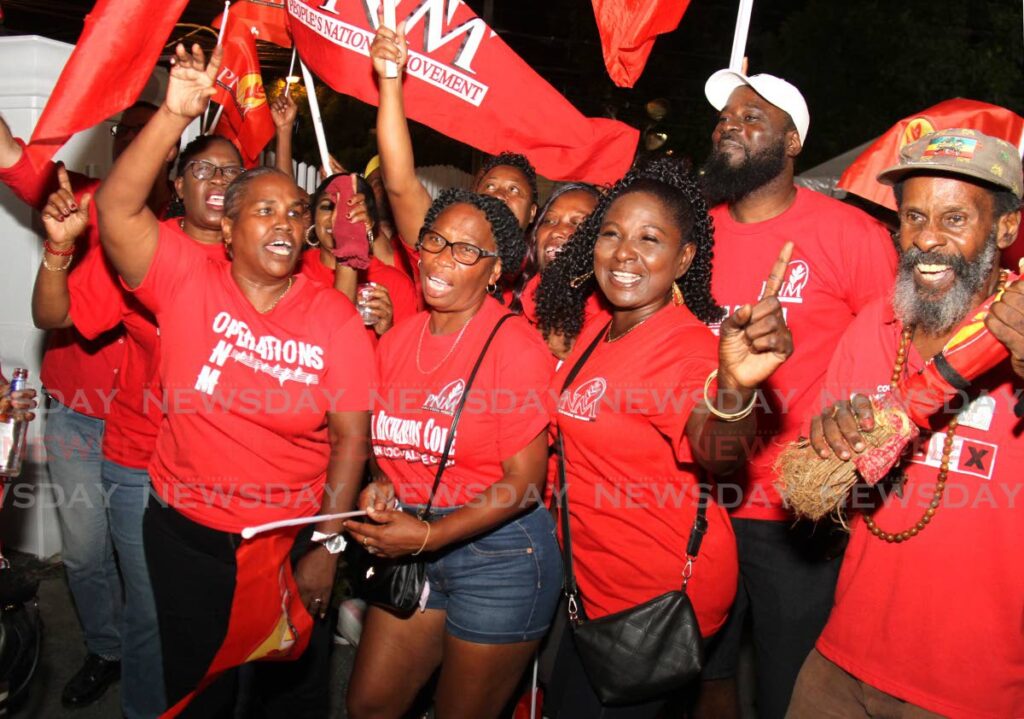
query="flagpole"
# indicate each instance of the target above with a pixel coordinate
(220, 40)
(318, 124)
(739, 38)
(291, 73)
(390, 68)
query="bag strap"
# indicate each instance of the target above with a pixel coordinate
(425, 512)
(570, 587)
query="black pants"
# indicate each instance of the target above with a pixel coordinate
(192, 569)
(787, 584)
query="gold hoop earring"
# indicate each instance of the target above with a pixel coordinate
(677, 295)
(312, 240)
(579, 280)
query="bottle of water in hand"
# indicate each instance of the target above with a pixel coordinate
(13, 431)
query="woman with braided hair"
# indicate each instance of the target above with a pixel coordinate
(641, 416)
(491, 557)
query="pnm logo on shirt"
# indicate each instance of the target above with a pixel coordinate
(584, 401)
(792, 289)
(445, 400)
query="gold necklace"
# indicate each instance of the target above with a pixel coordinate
(616, 339)
(291, 281)
(419, 346)
(947, 450)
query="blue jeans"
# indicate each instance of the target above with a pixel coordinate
(142, 672)
(73, 443)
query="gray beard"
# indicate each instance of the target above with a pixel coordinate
(938, 315)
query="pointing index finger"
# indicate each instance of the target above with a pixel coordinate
(62, 177)
(778, 272)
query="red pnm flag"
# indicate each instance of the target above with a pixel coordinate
(246, 119)
(628, 29)
(108, 69)
(859, 177)
(267, 17)
(464, 81)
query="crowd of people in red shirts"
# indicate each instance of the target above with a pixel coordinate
(228, 351)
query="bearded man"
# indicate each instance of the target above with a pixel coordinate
(842, 261)
(928, 611)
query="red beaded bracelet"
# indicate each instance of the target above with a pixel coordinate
(59, 253)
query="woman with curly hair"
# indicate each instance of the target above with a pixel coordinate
(492, 560)
(642, 419)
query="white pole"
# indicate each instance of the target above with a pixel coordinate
(291, 73)
(220, 40)
(250, 532)
(216, 119)
(390, 68)
(318, 124)
(739, 38)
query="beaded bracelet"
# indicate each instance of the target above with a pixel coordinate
(59, 253)
(726, 416)
(57, 269)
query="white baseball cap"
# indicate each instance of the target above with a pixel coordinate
(775, 90)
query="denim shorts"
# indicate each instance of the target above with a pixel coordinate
(502, 586)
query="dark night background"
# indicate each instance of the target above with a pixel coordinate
(861, 64)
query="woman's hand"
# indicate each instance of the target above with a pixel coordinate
(754, 341)
(64, 218)
(284, 111)
(380, 302)
(16, 405)
(392, 533)
(838, 429)
(314, 574)
(389, 45)
(191, 82)
(379, 495)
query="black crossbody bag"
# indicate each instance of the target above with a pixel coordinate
(397, 584)
(646, 651)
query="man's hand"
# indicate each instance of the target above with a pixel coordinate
(1006, 322)
(838, 429)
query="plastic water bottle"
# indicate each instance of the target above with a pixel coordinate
(13, 432)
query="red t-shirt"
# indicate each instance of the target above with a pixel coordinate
(631, 477)
(404, 297)
(244, 434)
(504, 411)
(938, 620)
(98, 304)
(842, 260)
(78, 372)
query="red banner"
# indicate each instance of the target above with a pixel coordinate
(267, 17)
(246, 119)
(464, 81)
(107, 70)
(628, 29)
(859, 177)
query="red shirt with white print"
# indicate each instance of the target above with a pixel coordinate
(842, 260)
(244, 435)
(422, 379)
(98, 304)
(937, 620)
(632, 480)
(79, 372)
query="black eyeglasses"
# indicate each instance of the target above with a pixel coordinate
(463, 252)
(122, 130)
(203, 170)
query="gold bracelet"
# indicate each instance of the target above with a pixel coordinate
(57, 269)
(726, 416)
(425, 539)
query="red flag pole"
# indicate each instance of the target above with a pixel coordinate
(739, 38)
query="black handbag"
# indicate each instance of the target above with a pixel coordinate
(644, 652)
(397, 584)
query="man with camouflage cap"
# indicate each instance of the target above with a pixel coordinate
(928, 610)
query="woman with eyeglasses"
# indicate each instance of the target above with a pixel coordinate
(492, 562)
(265, 379)
(91, 299)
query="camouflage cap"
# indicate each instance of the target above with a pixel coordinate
(960, 151)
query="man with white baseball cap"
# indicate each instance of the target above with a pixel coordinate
(842, 261)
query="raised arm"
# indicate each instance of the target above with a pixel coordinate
(409, 199)
(65, 221)
(128, 228)
(10, 151)
(284, 111)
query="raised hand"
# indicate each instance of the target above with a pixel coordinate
(191, 82)
(388, 45)
(1006, 322)
(64, 218)
(754, 340)
(284, 111)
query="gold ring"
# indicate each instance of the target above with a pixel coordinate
(366, 541)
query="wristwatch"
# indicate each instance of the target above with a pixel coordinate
(333, 543)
